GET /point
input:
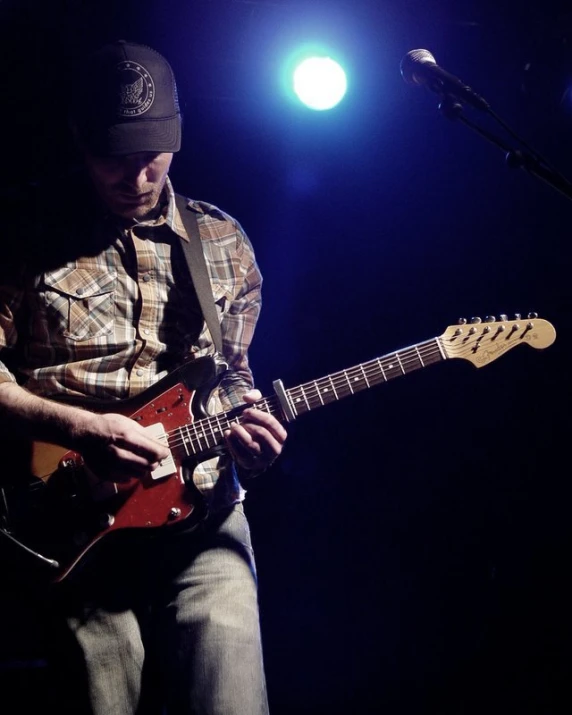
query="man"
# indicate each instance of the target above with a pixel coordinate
(104, 308)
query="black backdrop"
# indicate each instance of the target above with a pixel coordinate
(413, 542)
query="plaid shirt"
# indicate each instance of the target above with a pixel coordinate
(110, 325)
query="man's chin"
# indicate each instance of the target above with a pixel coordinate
(136, 209)
(139, 214)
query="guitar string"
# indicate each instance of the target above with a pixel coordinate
(324, 390)
(209, 431)
(363, 372)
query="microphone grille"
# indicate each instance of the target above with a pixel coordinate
(412, 60)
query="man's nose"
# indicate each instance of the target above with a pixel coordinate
(136, 174)
(137, 178)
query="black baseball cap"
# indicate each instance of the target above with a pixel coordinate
(125, 101)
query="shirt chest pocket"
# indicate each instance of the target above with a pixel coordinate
(80, 302)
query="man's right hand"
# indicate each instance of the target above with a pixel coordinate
(115, 447)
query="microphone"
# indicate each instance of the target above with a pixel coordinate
(419, 67)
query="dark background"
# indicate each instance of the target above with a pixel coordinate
(413, 543)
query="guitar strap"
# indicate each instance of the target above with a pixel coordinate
(196, 262)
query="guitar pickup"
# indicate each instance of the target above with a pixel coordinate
(167, 466)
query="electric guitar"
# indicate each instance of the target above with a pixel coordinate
(56, 510)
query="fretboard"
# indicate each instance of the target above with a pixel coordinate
(341, 384)
(206, 434)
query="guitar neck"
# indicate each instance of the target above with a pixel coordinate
(341, 384)
(477, 342)
(208, 433)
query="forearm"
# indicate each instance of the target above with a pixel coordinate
(23, 414)
(114, 446)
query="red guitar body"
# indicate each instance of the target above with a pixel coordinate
(59, 510)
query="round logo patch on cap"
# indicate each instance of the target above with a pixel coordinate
(136, 91)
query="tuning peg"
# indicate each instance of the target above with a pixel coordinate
(517, 316)
(503, 317)
(533, 316)
(462, 321)
(476, 320)
(490, 319)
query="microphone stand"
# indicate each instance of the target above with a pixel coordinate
(526, 158)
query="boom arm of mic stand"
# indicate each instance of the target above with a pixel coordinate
(515, 158)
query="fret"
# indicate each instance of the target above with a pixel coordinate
(364, 376)
(212, 434)
(295, 401)
(299, 401)
(317, 397)
(199, 435)
(272, 406)
(351, 389)
(218, 433)
(186, 438)
(382, 371)
(333, 387)
(316, 387)
(304, 397)
(390, 370)
(324, 392)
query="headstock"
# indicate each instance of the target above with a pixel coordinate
(482, 341)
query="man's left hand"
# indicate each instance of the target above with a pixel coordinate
(258, 439)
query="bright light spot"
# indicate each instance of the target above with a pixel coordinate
(320, 82)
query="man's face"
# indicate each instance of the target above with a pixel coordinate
(130, 185)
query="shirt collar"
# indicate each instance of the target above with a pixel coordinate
(173, 217)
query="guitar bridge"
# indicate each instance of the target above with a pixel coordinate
(167, 466)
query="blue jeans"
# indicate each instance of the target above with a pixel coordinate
(165, 624)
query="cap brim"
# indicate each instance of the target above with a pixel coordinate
(161, 135)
